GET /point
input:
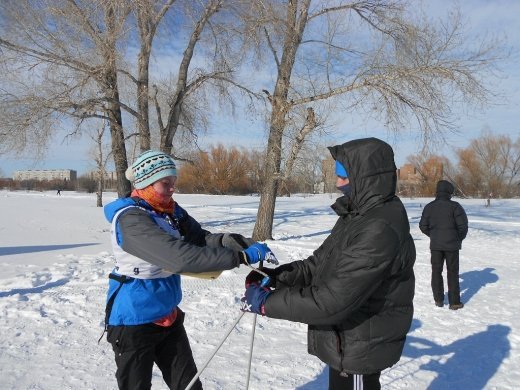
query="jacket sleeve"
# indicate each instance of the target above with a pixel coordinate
(196, 235)
(461, 220)
(424, 223)
(193, 232)
(142, 237)
(360, 269)
(296, 274)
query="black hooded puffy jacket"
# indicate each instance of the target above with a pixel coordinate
(356, 291)
(444, 220)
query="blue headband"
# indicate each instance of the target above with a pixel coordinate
(340, 170)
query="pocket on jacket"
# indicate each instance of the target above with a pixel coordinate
(326, 345)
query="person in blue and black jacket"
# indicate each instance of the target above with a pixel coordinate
(154, 241)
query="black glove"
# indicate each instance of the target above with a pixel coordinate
(273, 273)
(236, 241)
(255, 277)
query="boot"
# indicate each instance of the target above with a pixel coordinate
(456, 306)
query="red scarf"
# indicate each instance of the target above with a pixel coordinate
(164, 204)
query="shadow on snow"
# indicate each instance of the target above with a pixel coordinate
(468, 363)
(17, 250)
(473, 281)
(35, 290)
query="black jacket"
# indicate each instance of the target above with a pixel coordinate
(356, 290)
(444, 220)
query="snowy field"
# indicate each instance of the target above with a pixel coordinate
(55, 258)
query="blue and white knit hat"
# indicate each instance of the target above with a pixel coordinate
(149, 167)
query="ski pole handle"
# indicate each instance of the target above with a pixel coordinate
(265, 281)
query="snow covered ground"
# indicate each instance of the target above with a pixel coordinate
(55, 258)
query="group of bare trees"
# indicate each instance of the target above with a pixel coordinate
(488, 167)
(234, 171)
(298, 63)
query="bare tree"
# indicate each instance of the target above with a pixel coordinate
(150, 13)
(79, 48)
(430, 169)
(224, 56)
(100, 155)
(369, 56)
(69, 50)
(490, 165)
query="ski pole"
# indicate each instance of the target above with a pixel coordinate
(265, 281)
(214, 352)
(251, 351)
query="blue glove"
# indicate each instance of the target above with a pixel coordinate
(258, 252)
(254, 299)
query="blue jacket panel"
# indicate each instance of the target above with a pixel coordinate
(144, 300)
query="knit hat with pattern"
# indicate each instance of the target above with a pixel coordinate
(149, 167)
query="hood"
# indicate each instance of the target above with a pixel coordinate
(112, 208)
(371, 171)
(444, 189)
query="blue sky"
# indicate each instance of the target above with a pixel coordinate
(484, 18)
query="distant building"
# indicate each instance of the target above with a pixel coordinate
(109, 175)
(46, 174)
(408, 173)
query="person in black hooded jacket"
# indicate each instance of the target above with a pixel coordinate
(446, 223)
(356, 291)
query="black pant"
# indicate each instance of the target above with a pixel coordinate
(452, 264)
(353, 381)
(138, 347)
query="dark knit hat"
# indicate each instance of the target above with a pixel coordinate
(149, 167)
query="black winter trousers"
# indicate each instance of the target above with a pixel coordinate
(138, 347)
(452, 265)
(353, 381)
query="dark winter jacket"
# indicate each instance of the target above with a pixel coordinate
(444, 220)
(356, 291)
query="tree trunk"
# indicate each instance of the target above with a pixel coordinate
(182, 79)
(145, 24)
(99, 192)
(294, 30)
(264, 218)
(263, 229)
(142, 100)
(118, 146)
(114, 110)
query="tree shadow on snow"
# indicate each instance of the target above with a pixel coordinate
(34, 290)
(468, 363)
(473, 281)
(280, 217)
(17, 250)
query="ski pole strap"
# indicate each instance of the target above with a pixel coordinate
(266, 279)
(122, 279)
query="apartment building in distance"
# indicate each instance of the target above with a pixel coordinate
(46, 174)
